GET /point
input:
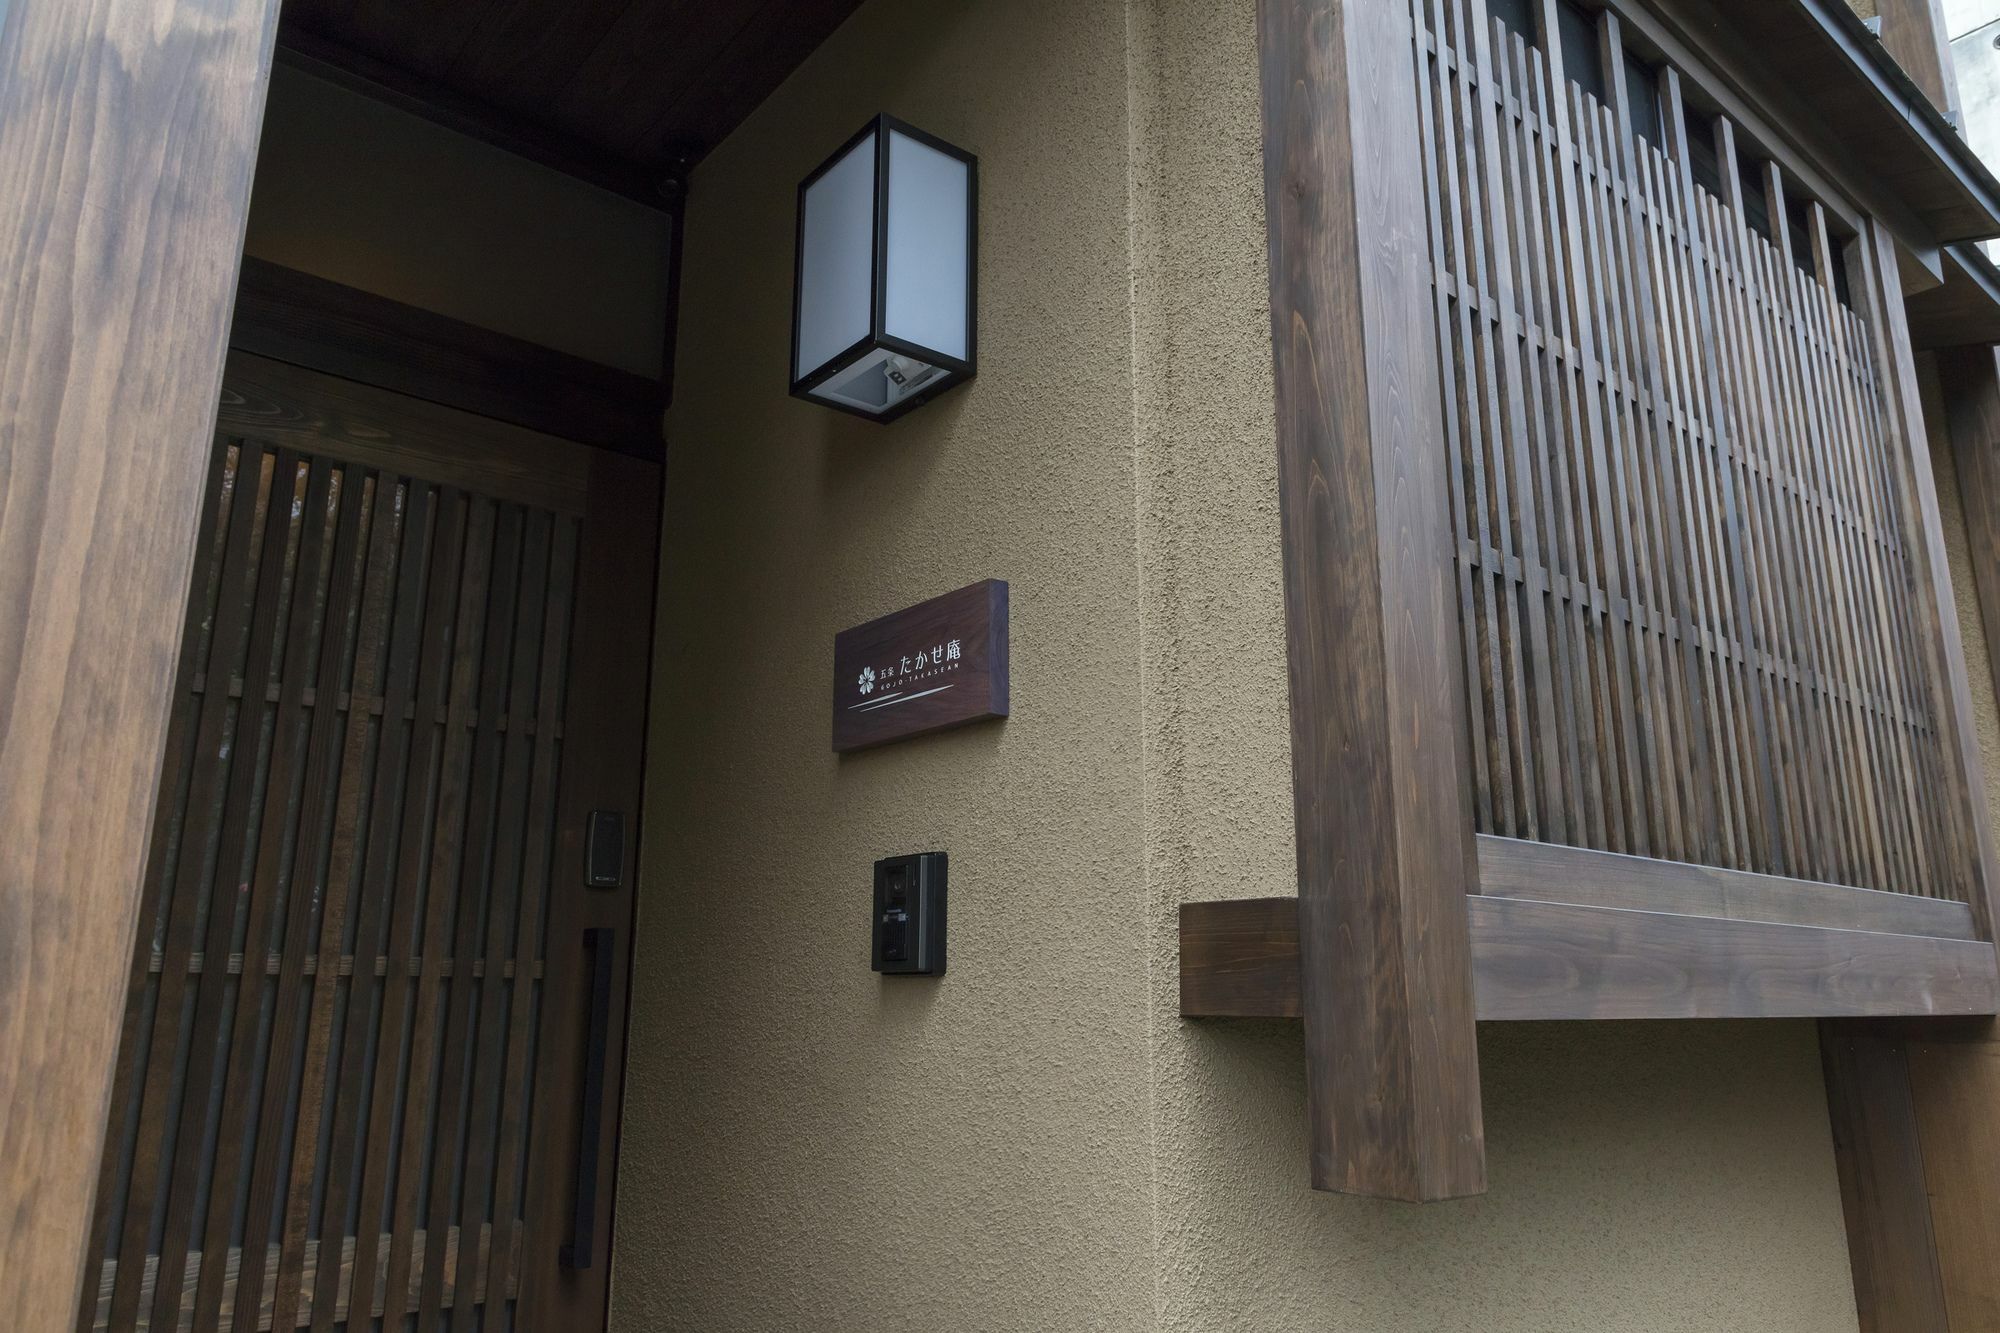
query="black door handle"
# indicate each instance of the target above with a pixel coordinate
(581, 1249)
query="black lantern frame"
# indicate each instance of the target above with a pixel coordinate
(955, 370)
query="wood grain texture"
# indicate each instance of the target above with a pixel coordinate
(358, 824)
(941, 663)
(286, 315)
(614, 91)
(1955, 1088)
(127, 139)
(1560, 961)
(1934, 607)
(1682, 584)
(1964, 309)
(333, 1277)
(1382, 801)
(354, 423)
(1514, 869)
(1914, 32)
(385, 79)
(1860, 111)
(1535, 961)
(1911, 1103)
(1891, 1245)
(1969, 383)
(604, 726)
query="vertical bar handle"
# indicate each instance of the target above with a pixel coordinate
(581, 1249)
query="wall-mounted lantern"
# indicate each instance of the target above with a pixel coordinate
(883, 315)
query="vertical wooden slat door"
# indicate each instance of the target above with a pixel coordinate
(362, 1025)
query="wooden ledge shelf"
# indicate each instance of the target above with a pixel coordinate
(1632, 938)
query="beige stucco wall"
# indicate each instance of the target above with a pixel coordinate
(1038, 1141)
(806, 1145)
(354, 190)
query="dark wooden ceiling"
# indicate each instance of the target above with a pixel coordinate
(629, 92)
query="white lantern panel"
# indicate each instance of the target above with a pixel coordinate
(929, 248)
(837, 260)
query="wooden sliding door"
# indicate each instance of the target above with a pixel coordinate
(369, 1067)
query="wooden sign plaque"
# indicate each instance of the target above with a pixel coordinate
(937, 664)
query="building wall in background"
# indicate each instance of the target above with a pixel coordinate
(1037, 1140)
(373, 197)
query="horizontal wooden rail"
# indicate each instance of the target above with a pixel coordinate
(482, 1266)
(305, 320)
(345, 702)
(292, 407)
(197, 962)
(1631, 938)
(1511, 868)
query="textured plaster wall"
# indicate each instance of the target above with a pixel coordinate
(806, 1145)
(364, 194)
(1039, 1142)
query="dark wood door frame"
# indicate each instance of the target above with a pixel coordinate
(306, 330)
(560, 1276)
(309, 321)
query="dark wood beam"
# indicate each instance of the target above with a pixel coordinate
(1954, 1072)
(1918, 1146)
(1534, 960)
(1872, 279)
(1379, 764)
(1915, 1109)
(283, 405)
(1969, 383)
(1825, 99)
(308, 321)
(1873, 103)
(327, 58)
(1961, 311)
(1513, 868)
(1891, 1247)
(128, 137)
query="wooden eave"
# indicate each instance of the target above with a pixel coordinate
(1963, 310)
(1822, 54)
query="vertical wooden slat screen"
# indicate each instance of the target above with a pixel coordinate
(323, 1092)
(1690, 619)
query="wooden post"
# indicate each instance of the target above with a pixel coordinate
(1913, 1106)
(1918, 1148)
(128, 133)
(1969, 378)
(1891, 1247)
(1935, 608)
(1379, 747)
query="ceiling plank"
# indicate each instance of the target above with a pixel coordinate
(522, 53)
(324, 57)
(643, 59)
(764, 51)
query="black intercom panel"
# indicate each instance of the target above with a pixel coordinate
(909, 915)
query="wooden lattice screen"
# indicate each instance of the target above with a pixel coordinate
(323, 1096)
(1691, 627)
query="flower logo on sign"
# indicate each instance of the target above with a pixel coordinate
(867, 681)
